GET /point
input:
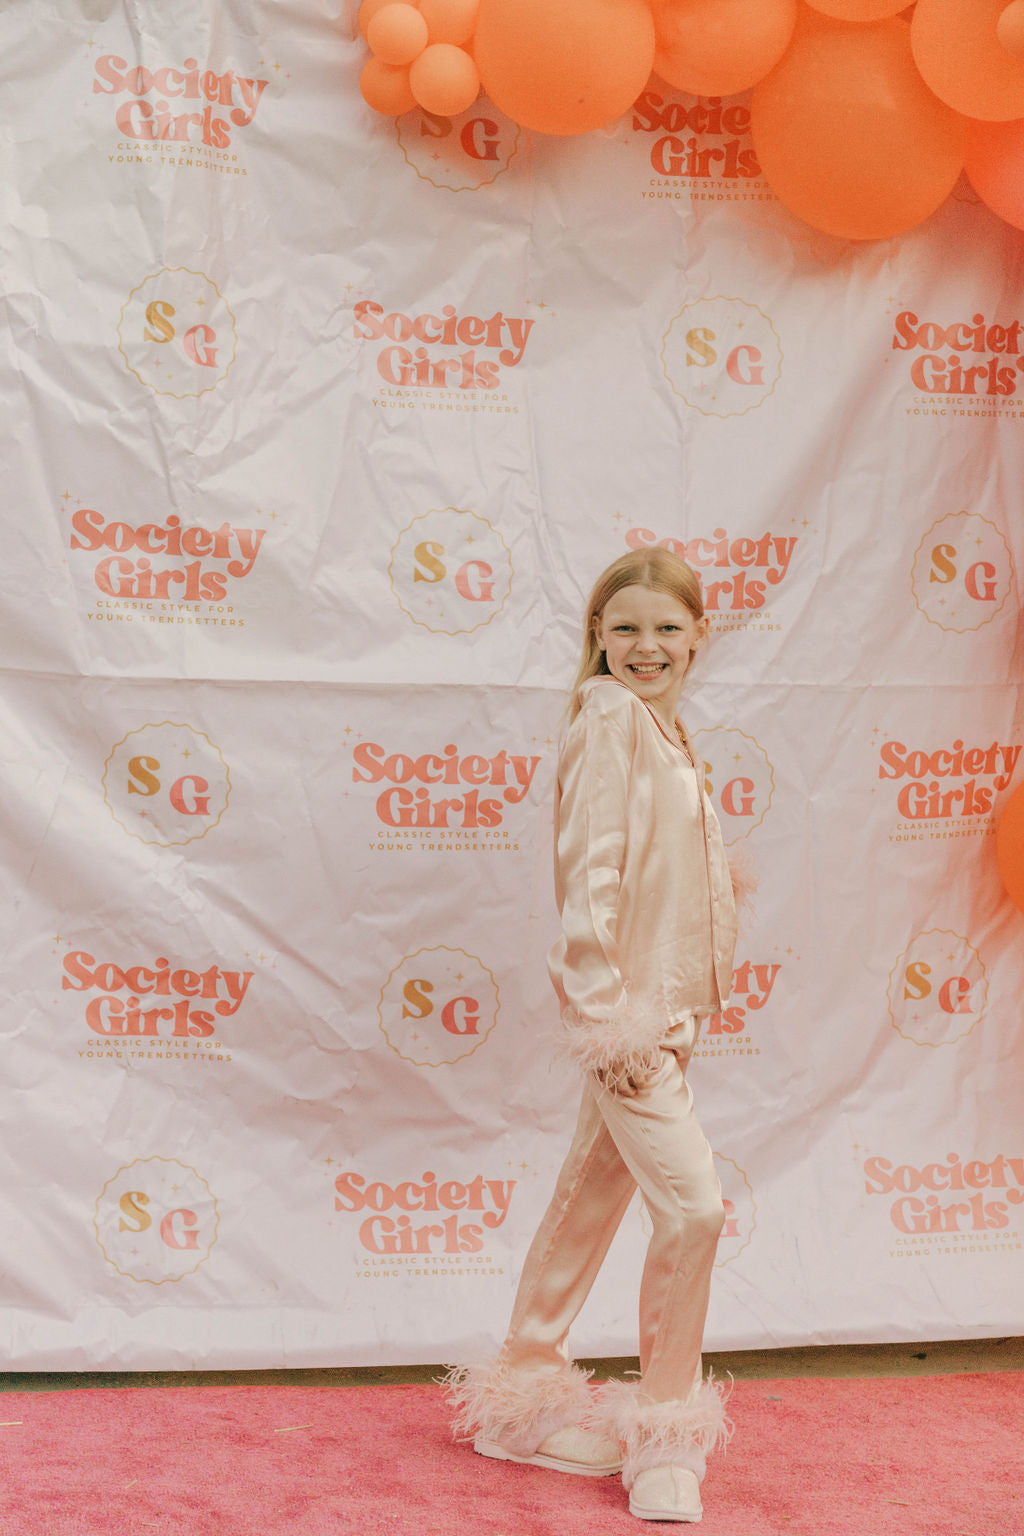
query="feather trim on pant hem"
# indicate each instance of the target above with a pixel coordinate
(517, 1409)
(675, 1433)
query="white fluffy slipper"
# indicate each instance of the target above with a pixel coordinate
(666, 1493)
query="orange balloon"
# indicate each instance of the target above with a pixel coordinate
(957, 50)
(369, 9)
(397, 34)
(1010, 29)
(450, 21)
(995, 165)
(719, 47)
(848, 135)
(386, 89)
(564, 66)
(1010, 846)
(859, 10)
(444, 80)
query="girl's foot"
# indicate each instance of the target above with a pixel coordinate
(571, 1449)
(666, 1493)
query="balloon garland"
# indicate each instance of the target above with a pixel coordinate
(863, 112)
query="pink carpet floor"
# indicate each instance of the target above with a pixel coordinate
(919, 1456)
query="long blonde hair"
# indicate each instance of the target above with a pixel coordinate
(657, 569)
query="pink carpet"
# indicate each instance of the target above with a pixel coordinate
(921, 1456)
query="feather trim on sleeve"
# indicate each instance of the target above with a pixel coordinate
(745, 879)
(620, 1044)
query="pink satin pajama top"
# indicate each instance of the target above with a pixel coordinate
(641, 881)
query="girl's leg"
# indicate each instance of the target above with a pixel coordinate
(532, 1389)
(670, 1417)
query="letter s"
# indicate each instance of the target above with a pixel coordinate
(699, 353)
(139, 768)
(158, 313)
(415, 992)
(131, 1203)
(916, 987)
(349, 1185)
(425, 555)
(943, 569)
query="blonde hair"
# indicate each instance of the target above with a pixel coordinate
(657, 569)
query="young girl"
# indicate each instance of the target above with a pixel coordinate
(648, 932)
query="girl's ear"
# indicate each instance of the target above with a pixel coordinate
(595, 626)
(702, 631)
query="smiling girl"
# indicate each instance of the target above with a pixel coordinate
(648, 932)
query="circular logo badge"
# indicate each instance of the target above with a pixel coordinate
(437, 1006)
(177, 334)
(156, 1220)
(166, 783)
(962, 572)
(459, 153)
(739, 779)
(451, 571)
(938, 989)
(722, 356)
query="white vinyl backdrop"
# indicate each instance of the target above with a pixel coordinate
(319, 428)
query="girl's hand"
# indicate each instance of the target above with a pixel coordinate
(618, 1079)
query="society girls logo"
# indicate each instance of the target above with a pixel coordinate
(938, 989)
(438, 1006)
(739, 576)
(966, 366)
(147, 1007)
(421, 798)
(424, 1215)
(179, 113)
(451, 571)
(176, 333)
(976, 1198)
(738, 778)
(166, 783)
(721, 356)
(168, 572)
(962, 572)
(697, 149)
(946, 788)
(156, 1220)
(458, 154)
(729, 1033)
(446, 360)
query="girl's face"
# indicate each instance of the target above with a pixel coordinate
(647, 638)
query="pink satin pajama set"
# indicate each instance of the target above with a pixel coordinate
(648, 934)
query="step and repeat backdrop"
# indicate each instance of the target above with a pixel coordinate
(320, 426)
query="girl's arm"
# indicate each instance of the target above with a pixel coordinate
(608, 1030)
